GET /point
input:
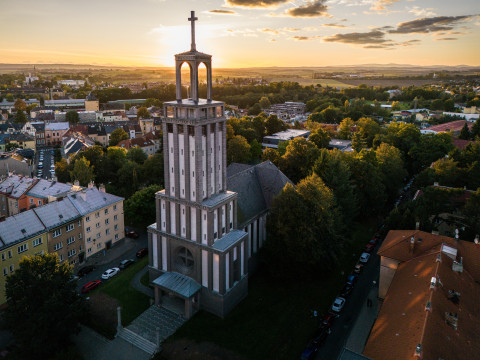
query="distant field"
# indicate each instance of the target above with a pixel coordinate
(390, 82)
(323, 82)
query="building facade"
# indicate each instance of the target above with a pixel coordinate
(197, 255)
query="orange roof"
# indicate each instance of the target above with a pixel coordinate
(403, 322)
(461, 144)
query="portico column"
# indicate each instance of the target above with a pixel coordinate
(158, 295)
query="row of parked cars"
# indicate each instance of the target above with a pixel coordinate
(339, 303)
(91, 285)
(41, 159)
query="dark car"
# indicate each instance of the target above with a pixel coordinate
(328, 320)
(352, 279)
(373, 242)
(126, 263)
(346, 291)
(85, 270)
(131, 233)
(358, 268)
(90, 286)
(368, 248)
(312, 348)
(142, 252)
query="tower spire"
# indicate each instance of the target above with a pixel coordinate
(192, 19)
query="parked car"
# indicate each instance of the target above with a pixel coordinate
(310, 351)
(368, 248)
(346, 291)
(85, 270)
(314, 344)
(131, 233)
(142, 252)
(358, 268)
(373, 241)
(90, 286)
(338, 304)
(109, 273)
(328, 320)
(126, 263)
(364, 258)
(352, 279)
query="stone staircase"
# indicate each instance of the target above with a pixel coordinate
(142, 332)
(138, 341)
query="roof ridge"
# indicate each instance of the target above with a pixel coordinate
(397, 242)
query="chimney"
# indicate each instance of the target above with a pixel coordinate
(458, 266)
(91, 184)
(417, 225)
(76, 183)
(412, 244)
(476, 240)
(101, 188)
(418, 351)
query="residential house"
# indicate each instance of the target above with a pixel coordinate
(54, 133)
(15, 163)
(63, 224)
(22, 141)
(39, 134)
(155, 137)
(146, 125)
(13, 198)
(102, 218)
(145, 144)
(454, 126)
(272, 141)
(428, 288)
(20, 235)
(46, 191)
(73, 142)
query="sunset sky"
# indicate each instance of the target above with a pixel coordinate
(241, 33)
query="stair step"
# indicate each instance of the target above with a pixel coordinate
(138, 341)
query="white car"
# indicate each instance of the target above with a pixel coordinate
(338, 304)
(364, 258)
(109, 273)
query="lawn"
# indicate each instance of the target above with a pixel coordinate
(133, 302)
(276, 319)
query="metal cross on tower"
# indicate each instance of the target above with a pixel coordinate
(192, 19)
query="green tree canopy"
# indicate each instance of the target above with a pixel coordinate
(320, 137)
(465, 133)
(20, 117)
(136, 154)
(72, 117)
(303, 230)
(62, 170)
(391, 165)
(238, 150)
(299, 158)
(44, 308)
(272, 155)
(142, 113)
(273, 125)
(82, 171)
(152, 170)
(116, 136)
(345, 128)
(265, 102)
(20, 105)
(140, 207)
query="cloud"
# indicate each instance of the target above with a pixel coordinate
(222, 12)
(419, 12)
(303, 38)
(270, 31)
(443, 39)
(245, 32)
(313, 8)
(381, 5)
(291, 29)
(428, 25)
(255, 3)
(333, 25)
(371, 37)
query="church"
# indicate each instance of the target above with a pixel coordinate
(210, 219)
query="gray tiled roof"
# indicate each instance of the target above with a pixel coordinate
(229, 240)
(179, 284)
(256, 187)
(57, 213)
(217, 198)
(92, 199)
(45, 188)
(15, 186)
(19, 227)
(235, 168)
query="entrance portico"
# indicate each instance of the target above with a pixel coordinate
(180, 286)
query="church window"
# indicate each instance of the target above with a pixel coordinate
(183, 211)
(182, 172)
(184, 261)
(172, 169)
(193, 174)
(173, 189)
(171, 149)
(183, 191)
(215, 235)
(193, 153)
(204, 217)
(203, 173)
(182, 151)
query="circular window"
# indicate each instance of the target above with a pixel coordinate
(184, 261)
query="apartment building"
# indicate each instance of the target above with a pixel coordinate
(13, 199)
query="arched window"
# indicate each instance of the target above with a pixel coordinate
(184, 261)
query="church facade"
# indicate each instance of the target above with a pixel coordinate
(198, 252)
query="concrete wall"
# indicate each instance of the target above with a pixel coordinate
(221, 305)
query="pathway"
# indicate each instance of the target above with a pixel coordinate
(139, 286)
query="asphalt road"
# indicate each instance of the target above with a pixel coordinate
(48, 160)
(140, 242)
(343, 324)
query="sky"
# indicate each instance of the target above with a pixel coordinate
(241, 33)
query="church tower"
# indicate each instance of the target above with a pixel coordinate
(197, 256)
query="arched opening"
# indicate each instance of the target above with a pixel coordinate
(202, 80)
(184, 74)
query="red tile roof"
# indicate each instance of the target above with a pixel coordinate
(454, 126)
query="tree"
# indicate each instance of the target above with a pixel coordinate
(20, 117)
(82, 171)
(255, 109)
(476, 129)
(136, 154)
(265, 102)
(320, 138)
(142, 113)
(238, 150)
(298, 159)
(128, 175)
(153, 102)
(20, 105)
(368, 128)
(62, 171)
(273, 125)
(140, 207)
(358, 142)
(465, 132)
(72, 117)
(152, 170)
(391, 165)
(272, 155)
(44, 307)
(11, 146)
(31, 107)
(255, 150)
(303, 230)
(116, 136)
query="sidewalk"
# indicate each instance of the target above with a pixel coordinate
(112, 254)
(361, 329)
(139, 286)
